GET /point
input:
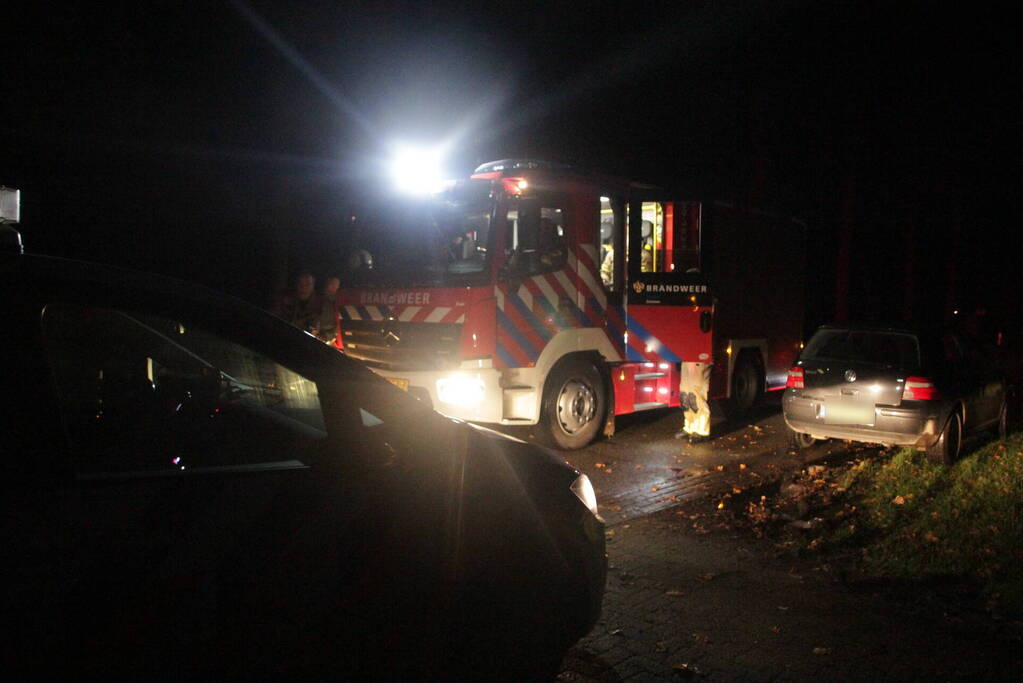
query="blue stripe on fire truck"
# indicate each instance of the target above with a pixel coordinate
(655, 346)
(616, 331)
(508, 328)
(534, 324)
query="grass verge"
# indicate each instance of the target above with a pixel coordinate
(911, 519)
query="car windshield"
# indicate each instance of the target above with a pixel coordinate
(438, 241)
(885, 349)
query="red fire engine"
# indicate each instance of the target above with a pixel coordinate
(535, 294)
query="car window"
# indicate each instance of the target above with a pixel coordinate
(888, 349)
(142, 393)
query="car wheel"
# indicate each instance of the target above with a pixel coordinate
(945, 450)
(745, 389)
(800, 441)
(574, 405)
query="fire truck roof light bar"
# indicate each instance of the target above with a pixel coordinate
(511, 164)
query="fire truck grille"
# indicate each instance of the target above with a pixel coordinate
(400, 345)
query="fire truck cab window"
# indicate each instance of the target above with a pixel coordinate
(143, 394)
(535, 239)
(441, 240)
(669, 237)
(652, 258)
(607, 256)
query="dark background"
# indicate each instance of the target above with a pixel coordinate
(225, 141)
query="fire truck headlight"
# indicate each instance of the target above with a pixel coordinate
(583, 490)
(463, 391)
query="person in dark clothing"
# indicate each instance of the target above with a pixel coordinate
(300, 304)
(329, 312)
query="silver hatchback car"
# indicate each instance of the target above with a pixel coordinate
(893, 386)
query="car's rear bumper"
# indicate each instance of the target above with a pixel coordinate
(915, 425)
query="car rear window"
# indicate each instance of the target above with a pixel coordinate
(891, 349)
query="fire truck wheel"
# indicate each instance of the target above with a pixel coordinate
(574, 405)
(746, 387)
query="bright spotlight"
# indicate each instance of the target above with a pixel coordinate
(417, 170)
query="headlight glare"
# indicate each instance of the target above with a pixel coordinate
(461, 390)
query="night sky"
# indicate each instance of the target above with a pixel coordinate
(226, 141)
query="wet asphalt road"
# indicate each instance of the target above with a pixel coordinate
(685, 602)
(644, 467)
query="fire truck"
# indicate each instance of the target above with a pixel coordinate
(535, 294)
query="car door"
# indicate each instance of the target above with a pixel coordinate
(983, 385)
(31, 491)
(191, 487)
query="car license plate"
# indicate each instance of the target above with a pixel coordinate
(399, 382)
(847, 414)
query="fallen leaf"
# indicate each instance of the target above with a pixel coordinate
(822, 650)
(776, 629)
(899, 500)
(930, 537)
(673, 593)
(742, 466)
(608, 471)
(599, 465)
(701, 638)
(686, 670)
(655, 488)
(706, 576)
(720, 468)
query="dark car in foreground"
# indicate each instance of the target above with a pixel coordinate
(194, 488)
(894, 386)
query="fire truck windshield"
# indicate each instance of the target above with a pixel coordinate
(440, 241)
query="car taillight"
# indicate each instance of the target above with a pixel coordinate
(795, 380)
(920, 389)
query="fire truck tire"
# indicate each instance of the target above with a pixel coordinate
(574, 405)
(747, 386)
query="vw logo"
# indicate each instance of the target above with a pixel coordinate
(850, 375)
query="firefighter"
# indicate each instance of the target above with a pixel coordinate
(328, 313)
(647, 255)
(607, 266)
(694, 388)
(607, 253)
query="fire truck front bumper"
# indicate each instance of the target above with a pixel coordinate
(474, 395)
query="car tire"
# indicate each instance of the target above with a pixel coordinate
(746, 387)
(799, 441)
(574, 405)
(1003, 421)
(945, 450)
